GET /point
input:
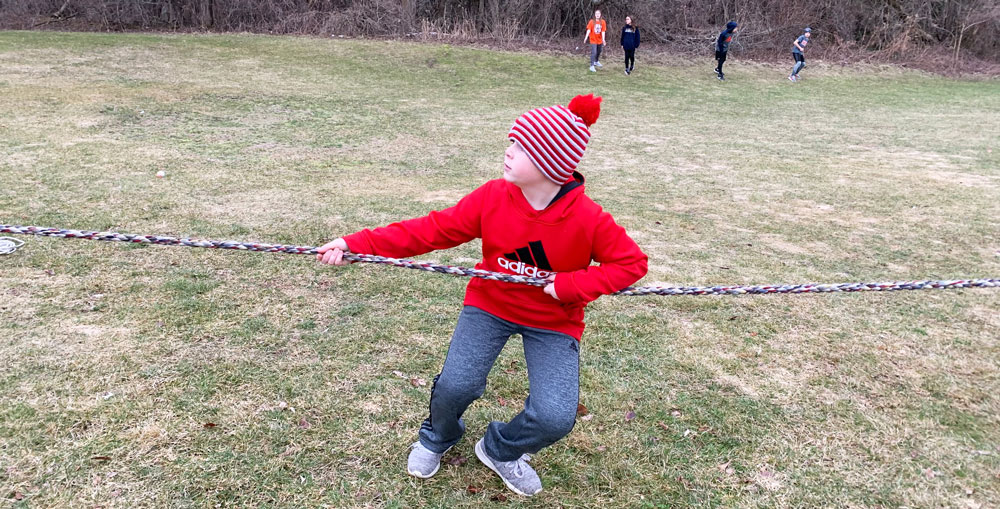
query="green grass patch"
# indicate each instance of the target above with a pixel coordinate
(146, 376)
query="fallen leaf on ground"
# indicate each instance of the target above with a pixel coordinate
(101, 458)
(581, 410)
(726, 468)
(629, 415)
(502, 401)
(418, 382)
(457, 460)
(210, 425)
(473, 489)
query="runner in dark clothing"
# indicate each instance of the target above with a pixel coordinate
(722, 47)
(630, 42)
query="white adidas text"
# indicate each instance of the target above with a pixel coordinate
(522, 269)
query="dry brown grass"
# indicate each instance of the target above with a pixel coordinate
(127, 353)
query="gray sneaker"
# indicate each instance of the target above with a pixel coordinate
(423, 462)
(517, 474)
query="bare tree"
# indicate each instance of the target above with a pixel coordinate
(893, 28)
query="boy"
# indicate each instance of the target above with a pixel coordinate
(535, 221)
(722, 47)
(798, 47)
(597, 29)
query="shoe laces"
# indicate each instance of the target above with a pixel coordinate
(520, 465)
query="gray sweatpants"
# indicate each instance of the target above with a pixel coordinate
(553, 361)
(595, 53)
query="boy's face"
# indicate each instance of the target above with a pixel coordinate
(808, 35)
(518, 168)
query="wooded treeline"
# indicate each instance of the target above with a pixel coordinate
(889, 27)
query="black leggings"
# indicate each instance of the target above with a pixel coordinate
(800, 62)
(721, 57)
(630, 58)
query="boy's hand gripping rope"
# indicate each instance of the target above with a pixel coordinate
(485, 274)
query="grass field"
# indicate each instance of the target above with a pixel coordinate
(136, 376)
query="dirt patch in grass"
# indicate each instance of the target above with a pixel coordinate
(778, 243)
(18, 306)
(449, 196)
(963, 179)
(258, 207)
(987, 315)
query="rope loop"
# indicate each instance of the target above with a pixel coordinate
(9, 244)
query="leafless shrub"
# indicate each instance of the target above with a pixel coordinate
(887, 30)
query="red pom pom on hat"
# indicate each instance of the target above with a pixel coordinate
(587, 107)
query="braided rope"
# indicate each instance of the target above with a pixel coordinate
(498, 276)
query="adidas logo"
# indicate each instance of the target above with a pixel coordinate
(527, 261)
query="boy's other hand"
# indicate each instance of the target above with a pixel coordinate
(332, 252)
(550, 289)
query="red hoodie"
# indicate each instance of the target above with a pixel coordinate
(517, 239)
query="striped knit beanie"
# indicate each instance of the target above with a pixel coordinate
(555, 137)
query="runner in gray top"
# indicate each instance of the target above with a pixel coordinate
(798, 48)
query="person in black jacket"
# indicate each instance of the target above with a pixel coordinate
(722, 47)
(630, 41)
